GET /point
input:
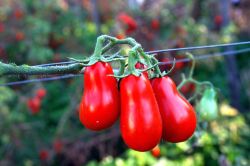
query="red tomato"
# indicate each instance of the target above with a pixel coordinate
(167, 64)
(18, 13)
(99, 108)
(2, 53)
(120, 36)
(43, 155)
(2, 27)
(170, 62)
(179, 65)
(34, 105)
(54, 42)
(58, 146)
(218, 20)
(19, 36)
(190, 87)
(139, 65)
(40, 93)
(140, 124)
(156, 152)
(180, 44)
(155, 24)
(179, 118)
(128, 21)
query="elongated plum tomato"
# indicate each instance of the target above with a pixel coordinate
(99, 108)
(178, 116)
(140, 124)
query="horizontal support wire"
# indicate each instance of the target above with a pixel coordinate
(197, 47)
(201, 57)
(162, 51)
(41, 79)
(226, 53)
(57, 63)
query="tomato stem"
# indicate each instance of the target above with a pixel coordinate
(136, 54)
(13, 69)
(157, 71)
(98, 47)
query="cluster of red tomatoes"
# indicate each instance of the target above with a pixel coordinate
(131, 24)
(45, 154)
(34, 103)
(149, 109)
(17, 15)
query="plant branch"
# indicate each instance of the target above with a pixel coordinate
(13, 69)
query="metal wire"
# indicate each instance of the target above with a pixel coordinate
(201, 57)
(41, 79)
(198, 47)
(57, 63)
(161, 51)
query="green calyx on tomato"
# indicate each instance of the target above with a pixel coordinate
(208, 106)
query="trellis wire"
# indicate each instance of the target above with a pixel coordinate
(164, 50)
(40, 79)
(197, 47)
(227, 53)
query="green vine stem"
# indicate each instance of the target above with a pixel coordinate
(12, 69)
(156, 68)
(136, 55)
(190, 79)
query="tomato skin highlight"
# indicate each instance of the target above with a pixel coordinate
(140, 123)
(178, 115)
(99, 108)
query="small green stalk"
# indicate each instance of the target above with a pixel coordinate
(157, 71)
(98, 47)
(132, 60)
